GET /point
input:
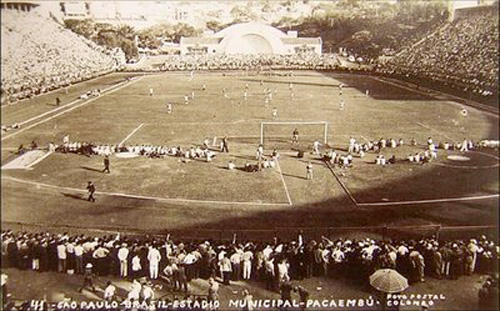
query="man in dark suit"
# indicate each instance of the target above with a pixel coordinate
(106, 165)
(91, 190)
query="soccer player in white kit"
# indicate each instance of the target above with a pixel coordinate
(169, 108)
(316, 145)
(433, 150)
(352, 142)
(275, 113)
(342, 104)
(151, 92)
(66, 140)
(186, 99)
(465, 146)
(309, 171)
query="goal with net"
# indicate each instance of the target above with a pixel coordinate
(278, 134)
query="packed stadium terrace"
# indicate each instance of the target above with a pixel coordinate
(39, 55)
(272, 263)
(237, 61)
(463, 55)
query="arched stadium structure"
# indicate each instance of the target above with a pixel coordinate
(250, 38)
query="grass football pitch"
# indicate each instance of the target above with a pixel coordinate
(169, 194)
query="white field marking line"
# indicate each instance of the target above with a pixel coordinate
(475, 104)
(130, 135)
(468, 167)
(284, 183)
(473, 198)
(402, 87)
(475, 167)
(68, 110)
(62, 88)
(134, 196)
(342, 185)
(432, 129)
(64, 106)
(39, 160)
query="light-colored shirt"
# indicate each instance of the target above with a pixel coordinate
(235, 258)
(109, 291)
(123, 254)
(247, 256)
(61, 251)
(136, 263)
(154, 256)
(79, 250)
(225, 265)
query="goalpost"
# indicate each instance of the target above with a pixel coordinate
(281, 131)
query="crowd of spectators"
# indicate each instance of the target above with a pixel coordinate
(39, 55)
(462, 55)
(428, 154)
(151, 151)
(250, 62)
(272, 263)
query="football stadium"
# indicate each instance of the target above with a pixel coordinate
(332, 160)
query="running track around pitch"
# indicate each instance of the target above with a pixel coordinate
(119, 87)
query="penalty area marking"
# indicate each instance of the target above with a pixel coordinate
(432, 129)
(445, 200)
(39, 160)
(130, 135)
(143, 197)
(284, 184)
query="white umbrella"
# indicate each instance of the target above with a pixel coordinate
(388, 281)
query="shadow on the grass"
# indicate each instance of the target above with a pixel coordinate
(378, 90)
(74, 196)
(90, 169)
(294, 176)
